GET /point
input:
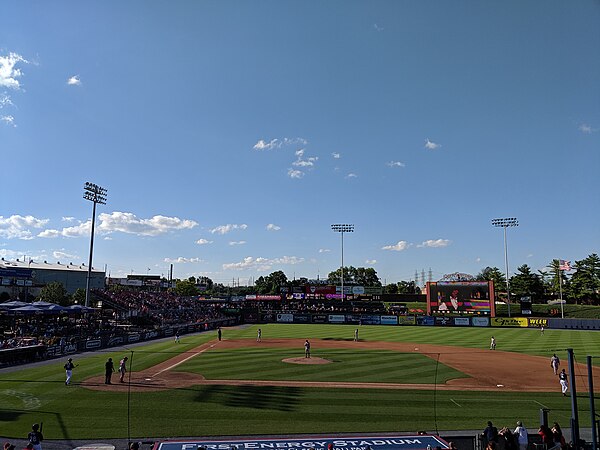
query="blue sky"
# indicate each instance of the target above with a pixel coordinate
(231, 134)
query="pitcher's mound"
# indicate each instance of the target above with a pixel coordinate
(307, 361)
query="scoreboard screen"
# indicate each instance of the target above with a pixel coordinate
(470, 297)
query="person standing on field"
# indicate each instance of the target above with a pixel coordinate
(564, 382)
(109, 368)
(554, 363)
(493, 343)
(219, 333)
(306, 349)
(259, 335)
(356, 335)
(122, 369)
(69, 366)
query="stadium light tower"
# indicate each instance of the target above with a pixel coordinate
(94, 194)
(342, 228)
(505, 223)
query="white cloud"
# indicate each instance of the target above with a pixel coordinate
(9, 74)
(435, 243)
(224, 229)
(478, 259)
(324, 250)
(5, 101)
(304, 162)
(237, 242)
(273, 227)
(68, 219)
(108, 238)
(587, 129)
(182, 260)
(401, 245)
(17, 226)
(396, 164)
(74, 81)
(371, 262)
(129, 223)
(292, 173)
(378, 28)
(262, 264)
(431, 145)
(203, 241)
(351, 175)
(8, 120)
(278, 143)
(63, 255)
(336, 155)
(124, 223)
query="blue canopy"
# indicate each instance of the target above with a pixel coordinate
(13, 304)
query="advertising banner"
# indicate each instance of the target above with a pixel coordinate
(367, 319)
(117, 340)
(92, 344)
(133, 338)
(400, 442)
(333, 296)
(480, 321)
(461, 321)
(444, 321)
(425, 320)
(352, 318)
(358, 290)
(373, 290)
(509, 322)
(336, 318)
(407, 320)
(267, 317)
(320, 290)
(537, 322)
(168, 332)
(150, 334)
(389, 320)
(287, 318)
(301, 318)
(319, 318)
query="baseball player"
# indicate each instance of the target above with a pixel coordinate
(356, 335)
(177, 337)
(306, 349)
(69, 366)
(259, 335)
(564, 383)
(554, 363)
(493, 343)
(109, 368)
(35, 437)
(122, 369)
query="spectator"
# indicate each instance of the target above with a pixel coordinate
(490, 434)
(522, 436)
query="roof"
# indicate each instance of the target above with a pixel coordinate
(44, 265)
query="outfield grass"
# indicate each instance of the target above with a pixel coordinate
(38, 394)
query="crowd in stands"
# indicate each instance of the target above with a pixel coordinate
(320, 306)
(161, 308)
(519, 439)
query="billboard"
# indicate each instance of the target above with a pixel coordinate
(510, 322)
(471, 297)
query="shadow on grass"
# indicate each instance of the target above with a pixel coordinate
(278, 398)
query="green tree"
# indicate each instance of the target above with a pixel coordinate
(391, 288)
(271, 284)
(186, 288)
(206, 281)
(55, 292)
(78, 296)
(526, 283)
(585, 282)
(493, 274)
(361, 276)
(408, 287)
(553, 278)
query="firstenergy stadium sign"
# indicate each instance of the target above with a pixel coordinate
(320, 443)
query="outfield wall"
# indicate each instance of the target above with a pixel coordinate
(417, 320)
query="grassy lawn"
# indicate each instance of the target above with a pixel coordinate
(38, 394)
(348, 366)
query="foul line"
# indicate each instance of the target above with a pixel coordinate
(452, 400)
(543, 406)
(183, 360)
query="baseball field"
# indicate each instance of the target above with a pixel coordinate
(393, 379)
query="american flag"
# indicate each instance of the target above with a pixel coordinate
(564, 265)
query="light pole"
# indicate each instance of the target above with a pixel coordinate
(505, 223)
(342, 228)
(94, 194)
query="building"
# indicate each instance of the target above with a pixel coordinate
(20, 278)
